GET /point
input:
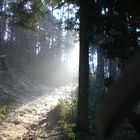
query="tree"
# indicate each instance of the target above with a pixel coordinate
(82, 112)
(100, 72)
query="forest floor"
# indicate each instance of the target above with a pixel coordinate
(32, 119)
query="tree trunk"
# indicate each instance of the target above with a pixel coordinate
(100, 71)
(112, 68)
(83, 97)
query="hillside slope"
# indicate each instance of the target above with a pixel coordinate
(27, 106)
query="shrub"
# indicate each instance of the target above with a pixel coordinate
(66, 112)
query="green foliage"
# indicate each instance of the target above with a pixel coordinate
(67, 130)
(66, 109)
(28, 13)
(2, 113)
(66, 112)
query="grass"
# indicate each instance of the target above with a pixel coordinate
(2, 113)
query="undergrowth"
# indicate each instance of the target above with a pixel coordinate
(66, 112)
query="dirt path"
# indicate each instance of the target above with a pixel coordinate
(30, 118)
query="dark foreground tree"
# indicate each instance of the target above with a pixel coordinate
(83, 96)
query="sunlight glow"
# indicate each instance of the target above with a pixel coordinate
(73, 59)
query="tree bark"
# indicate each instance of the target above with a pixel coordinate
(100, 72)
(112, 68)
(83, 97)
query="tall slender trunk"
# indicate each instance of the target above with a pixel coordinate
(112, 68)
(100, 72)
(83, 97)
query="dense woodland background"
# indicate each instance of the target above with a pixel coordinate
(36, 43)
(36, 37)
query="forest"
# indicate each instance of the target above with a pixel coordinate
(69, 70)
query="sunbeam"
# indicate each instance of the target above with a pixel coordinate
(73, 59)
